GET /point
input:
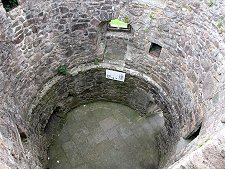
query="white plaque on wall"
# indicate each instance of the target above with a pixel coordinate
(115, 75)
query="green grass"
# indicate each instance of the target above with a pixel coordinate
(204, 142)
(62, 70)
(119, 24)
(96, 62)
(210, 4)
(146, 30)
(219, 24)
(189, 8)
(182, 167)
(126, 19)
(151, 16)
(222, 31)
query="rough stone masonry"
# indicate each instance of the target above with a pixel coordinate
(186, 81)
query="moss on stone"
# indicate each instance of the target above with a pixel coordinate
(62, 70)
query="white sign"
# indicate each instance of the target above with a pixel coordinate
(114, 75)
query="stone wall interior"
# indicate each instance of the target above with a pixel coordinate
(147, 92)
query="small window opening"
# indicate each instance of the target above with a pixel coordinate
(117, 25)
(9, 4)
(155, 50)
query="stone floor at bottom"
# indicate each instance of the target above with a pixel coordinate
(105, 135)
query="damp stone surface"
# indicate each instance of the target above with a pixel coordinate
(105, 135)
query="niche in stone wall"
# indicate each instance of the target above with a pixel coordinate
(9, 4)
(155, 50)
(55, 121)
(115, 35)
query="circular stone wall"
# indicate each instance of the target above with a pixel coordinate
(39, 36)
(89, 84)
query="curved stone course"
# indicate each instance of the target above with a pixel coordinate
(39, 36)
(138, 91)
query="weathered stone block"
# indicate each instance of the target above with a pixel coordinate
(79, 26)
(63, 10)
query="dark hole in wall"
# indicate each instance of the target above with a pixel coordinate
(9, 4)
(23, 136)
(71, 94)
(22, 133)
(155, 50)
(195, 134)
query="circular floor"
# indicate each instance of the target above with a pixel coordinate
(104, 135)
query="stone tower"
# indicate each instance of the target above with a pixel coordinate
(173, 54)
